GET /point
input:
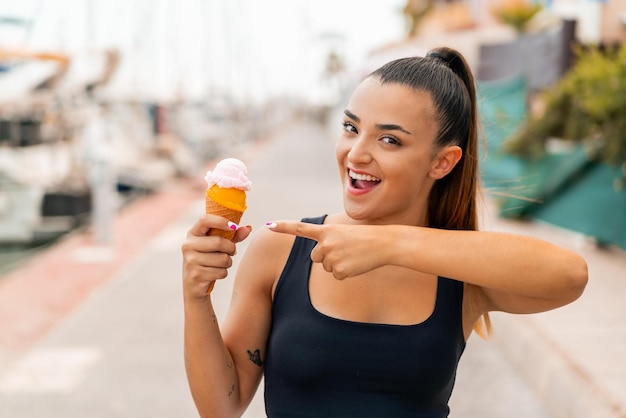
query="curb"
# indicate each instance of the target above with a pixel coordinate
(564, 387)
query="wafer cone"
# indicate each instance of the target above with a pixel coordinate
(232, 215)
(215, 208)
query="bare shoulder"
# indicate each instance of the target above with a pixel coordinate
(265, 257)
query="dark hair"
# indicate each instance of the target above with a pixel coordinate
(446, 76)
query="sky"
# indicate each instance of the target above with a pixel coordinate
(255, 49)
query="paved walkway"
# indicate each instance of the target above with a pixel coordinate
(575, 356)
(97, 332)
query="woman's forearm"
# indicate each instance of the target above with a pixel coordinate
(511, 263)
(211, 373)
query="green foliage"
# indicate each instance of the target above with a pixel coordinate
(587, 105)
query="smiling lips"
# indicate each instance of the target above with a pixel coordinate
(362, 182)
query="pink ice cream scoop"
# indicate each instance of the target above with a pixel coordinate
(230, 173)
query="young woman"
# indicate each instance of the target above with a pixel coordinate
(366, 313)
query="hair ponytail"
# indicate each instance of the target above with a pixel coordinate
(460, 195)
(453, 200)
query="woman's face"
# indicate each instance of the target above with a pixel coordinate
(386, 153)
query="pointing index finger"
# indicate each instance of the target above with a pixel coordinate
(301, 229)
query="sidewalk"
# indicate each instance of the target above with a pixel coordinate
(92, 332)
(575, 356)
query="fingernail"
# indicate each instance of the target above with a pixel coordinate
(233, 226)
(271, 225)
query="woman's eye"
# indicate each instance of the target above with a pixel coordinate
(348, 127)
(390, 140)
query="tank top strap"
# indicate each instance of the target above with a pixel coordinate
(294, 279)
(449, 303)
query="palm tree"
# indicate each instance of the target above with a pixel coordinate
(414, 11)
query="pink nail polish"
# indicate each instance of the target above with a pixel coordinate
(233, 226)
(270, 225)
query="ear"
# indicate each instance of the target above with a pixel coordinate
(445, 161)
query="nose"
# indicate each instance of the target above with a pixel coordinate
(360, 152)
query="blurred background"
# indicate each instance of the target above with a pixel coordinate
(105, 105)
(89, 88)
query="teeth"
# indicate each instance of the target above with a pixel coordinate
(365, 177)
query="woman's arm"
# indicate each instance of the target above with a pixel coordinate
(222, 374)
(515, 273)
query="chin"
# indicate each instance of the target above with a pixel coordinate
(358, 214)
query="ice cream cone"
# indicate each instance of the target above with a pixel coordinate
(226, 195)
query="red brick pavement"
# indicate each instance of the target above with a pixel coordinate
(40, 293)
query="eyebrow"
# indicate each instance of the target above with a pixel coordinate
(380, 126)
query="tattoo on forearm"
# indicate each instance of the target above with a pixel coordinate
(214, 318)
(255, 357)
(232, 390)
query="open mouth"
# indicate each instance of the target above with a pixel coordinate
(361, 181)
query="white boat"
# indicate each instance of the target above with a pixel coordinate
(57, 138)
